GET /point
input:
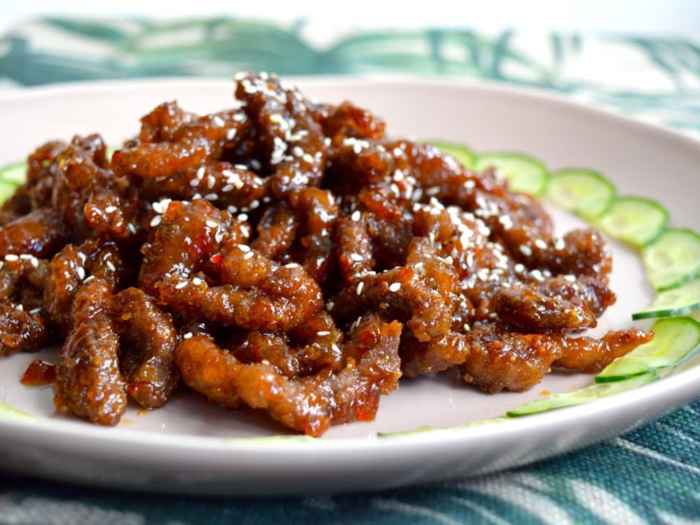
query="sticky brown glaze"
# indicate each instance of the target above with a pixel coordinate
(22, 330)
(288, 256)
(501, 360)
(89, 383)
(148, 340)
(588, 355)
(422, 294)
(184, 237)
(310, 404)
(436, 355)
(355, 257)
(319, 346)
(277, 230)
(40, 233)
(318, 211)
(256, 294)
(531, 311)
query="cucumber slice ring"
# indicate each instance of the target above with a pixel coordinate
(675, 341)
(584, 395)
(462, 154)
(671, 303)
(635, 220)
(584, 192)
(673, 259)
(15, 174)
(524, 174)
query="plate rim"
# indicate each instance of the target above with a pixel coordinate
(680, 384)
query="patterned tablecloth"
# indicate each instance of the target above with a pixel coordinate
(651, 475)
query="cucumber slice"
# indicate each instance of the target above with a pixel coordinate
(672, 259)
(671, 303)
(584, 395)
(462, 154)
(635, 220)
(14, 173)
(109, 152)
(523, 173)
(6, 190)
(675, 340)
(583, 192)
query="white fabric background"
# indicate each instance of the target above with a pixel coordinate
(657, 16)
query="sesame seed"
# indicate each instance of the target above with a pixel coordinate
(322, 333)
(355, 215)
(89, 278)
(211, 182)
(155, 221)
(254, 204)
(231, 133)
(308, 158)
(292, 265)
(335, 347)
(35, 311)
(243, 217)
(432, 191)
(218, 121)
(248, 255)
(541, 244)
(25, 257)
(81, 272)
(506, 222)
(188, 335)
(180, 286)
(131, 227)
(395, 287)
(212, 224)
(196, 281)
(360, 287)
(227, 188)
(469, 184)
(111, 266)
(211, 196)
(19, 307)
(526, 250)
(200, 173)
(33, 261)
(466, 327)
(110, 209)
(355, 257)
(11, 257)
(194, 182)
(559, 244)
(244, 248)
(570, 278)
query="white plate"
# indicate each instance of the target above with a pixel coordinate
(192, 447)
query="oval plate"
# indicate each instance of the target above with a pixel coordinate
(192, 447)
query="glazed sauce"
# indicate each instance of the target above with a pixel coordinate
(39, 373)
